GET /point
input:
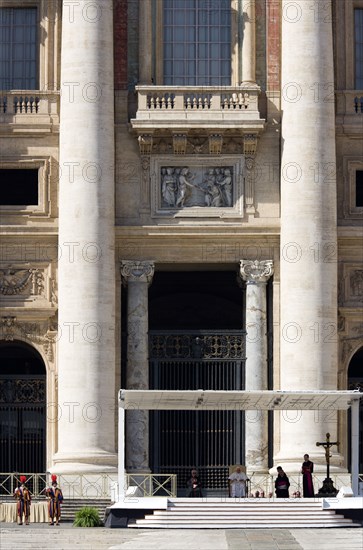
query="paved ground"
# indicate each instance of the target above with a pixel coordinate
(66, 537)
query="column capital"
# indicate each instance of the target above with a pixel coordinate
(256, 271)
(135, 271)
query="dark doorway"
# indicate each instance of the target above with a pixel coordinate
(22, 409)
(355, 381)
(196, 341)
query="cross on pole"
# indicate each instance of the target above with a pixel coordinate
(328, 487)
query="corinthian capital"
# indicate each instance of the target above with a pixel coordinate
(255, 271)
(137, 271)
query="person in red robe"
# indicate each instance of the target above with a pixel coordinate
(23, 497)
(55, 498)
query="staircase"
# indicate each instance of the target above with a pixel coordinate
(239, 514)
(70, 507)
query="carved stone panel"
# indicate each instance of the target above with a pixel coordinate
(197, 187)
(26, 283)
(352, 285)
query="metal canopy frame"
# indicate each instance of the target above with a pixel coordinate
(202, 400)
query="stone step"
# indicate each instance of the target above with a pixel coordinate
(184, 513)
(241, 525)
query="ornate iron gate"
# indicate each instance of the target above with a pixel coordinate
(210, 440)
(22, 423)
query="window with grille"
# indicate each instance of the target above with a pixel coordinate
(358, 33)
(18, 49)
(197, 42)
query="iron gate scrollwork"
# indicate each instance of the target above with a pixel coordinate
(210, 440)
(22, 423)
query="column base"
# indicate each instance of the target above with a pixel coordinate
(82, 463)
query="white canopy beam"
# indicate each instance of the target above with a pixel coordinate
(210, 400)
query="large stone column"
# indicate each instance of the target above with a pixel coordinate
(137, 276)
(308, 225)
(86, 346)
(256, 274)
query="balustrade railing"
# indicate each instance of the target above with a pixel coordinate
(205, 102)
(29, 103)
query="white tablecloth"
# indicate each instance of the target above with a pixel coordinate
(38, 512)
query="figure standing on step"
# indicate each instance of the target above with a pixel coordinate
(237, 483)
(55, 499)
(307, 469)
(194, 485)
(282, 484)
(23, 497)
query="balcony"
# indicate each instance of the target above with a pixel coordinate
(207, 109)
(30, 112)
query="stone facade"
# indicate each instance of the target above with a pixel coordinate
(104, 133)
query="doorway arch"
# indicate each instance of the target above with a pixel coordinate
(355, 381)
(22, 409)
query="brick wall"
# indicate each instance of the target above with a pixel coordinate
(120, 44)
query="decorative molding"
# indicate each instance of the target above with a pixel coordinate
(145, 184)
(179, 144)
(249, 150)
(255, 271)
(8, 328)
(133, 271)
(145, 144)
(215, 144)
(250, 145)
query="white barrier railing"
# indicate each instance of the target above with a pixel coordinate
(100, 486)
(151, 485)
(73, 486)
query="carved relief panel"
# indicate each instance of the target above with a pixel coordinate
(24, 283)
(197, 187)
(351, 293)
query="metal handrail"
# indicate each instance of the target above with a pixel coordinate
(74, 486)
(83, 486)
(152, 485)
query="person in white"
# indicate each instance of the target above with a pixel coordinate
(237, 483)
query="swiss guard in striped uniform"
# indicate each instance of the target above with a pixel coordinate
(22, 495)
(55, 499)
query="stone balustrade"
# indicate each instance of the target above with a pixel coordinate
(169, 106)
(34, 108)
